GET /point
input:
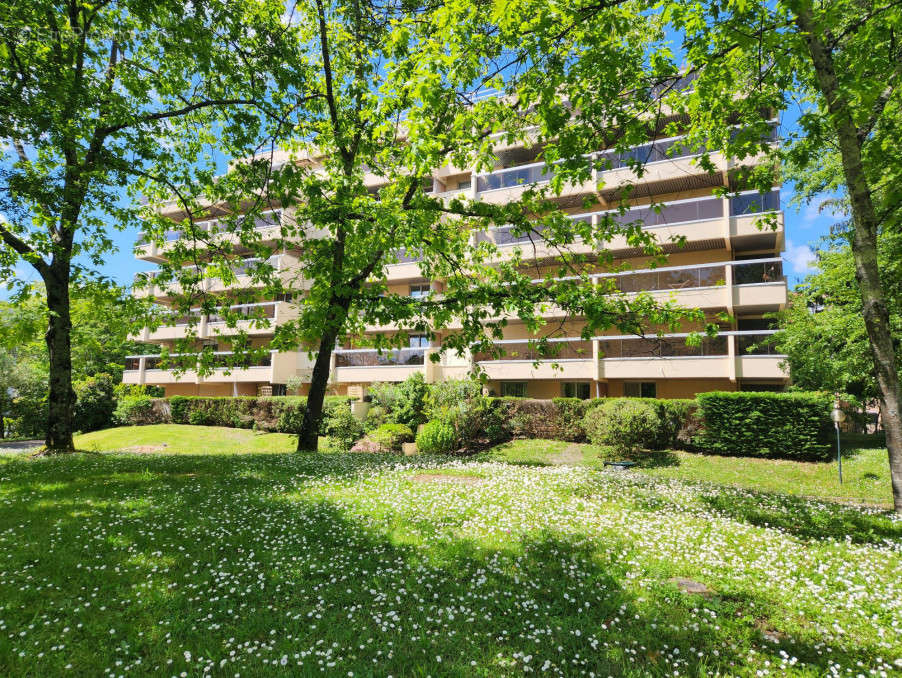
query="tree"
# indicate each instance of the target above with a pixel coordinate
(93, 96)
(843, 62)
(822, 331)
(394, 92)
(102, 318)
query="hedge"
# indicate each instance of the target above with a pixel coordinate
(787, 425)
(283, 414)
(562, 418)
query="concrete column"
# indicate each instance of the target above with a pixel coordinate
(332, 374)
(727, 229)
(731, 292)
(472, 192)
(142, 370)
(735, 369)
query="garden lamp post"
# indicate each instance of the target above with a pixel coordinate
(838, 417)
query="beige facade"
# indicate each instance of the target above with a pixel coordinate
(728, 263)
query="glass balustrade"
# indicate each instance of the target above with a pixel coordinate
(650, 281)
(559, 350)
(221, 360)
(664, 347)
(373, 358)
(758, 272)
(756, 344)
(754, 203)
(250, 311)
(132, 363)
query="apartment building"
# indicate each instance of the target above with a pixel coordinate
(726, 264)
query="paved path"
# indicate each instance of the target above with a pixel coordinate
(19, 446)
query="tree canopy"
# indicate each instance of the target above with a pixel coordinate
(383, 96)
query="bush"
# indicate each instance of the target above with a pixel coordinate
(461, 404)
(437, 437)
(788, 425)
(391, 436)
(343, 427)
(135, 410)
(289, 415)
(411, 401)
(376, 417)
(384, 395)
(625, 424)
(122, 390)
(94, 403)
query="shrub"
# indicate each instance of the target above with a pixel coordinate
(384, 395)
(625, 424)
(289, 416)
(460, 403)
(94, 404)
(391, 436)
(411, 401)
(343, 427)
(437, 437)
(135, 410)
(376, 417)
(790, 425)
(122, 390)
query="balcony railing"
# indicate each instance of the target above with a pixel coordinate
(663, 347)
(754, 203)
(264, 220)
(266, 309)
(370, 357)
(759, 271)
(755, 343)
(698, 276)
(678, 212)
(522, 350)
(635, 347)
(221, 360)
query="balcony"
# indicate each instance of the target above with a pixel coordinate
(697, 219)
(368, 365)
(632, 357)
(154, 369)
(267, 223)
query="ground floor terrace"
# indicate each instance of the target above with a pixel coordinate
(662, 367)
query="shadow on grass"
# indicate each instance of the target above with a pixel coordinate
(805, 518)
(657, 459)
(227, 558)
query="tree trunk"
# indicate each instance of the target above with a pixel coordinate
(308, 438)
(61, 396)
(864, 250)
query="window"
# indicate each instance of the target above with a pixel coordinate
(279, 389)
(285, 296)
(463, 185)
(419, 341)
(575, 389)
(640, 389)
(513, 389)
(420, 290)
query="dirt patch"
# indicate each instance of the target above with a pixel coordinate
(145, 449)
(450, 480)
(572, 455)
(691, 586)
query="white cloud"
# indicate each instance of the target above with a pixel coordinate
(800, 258)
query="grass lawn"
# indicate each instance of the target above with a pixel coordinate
(185, 439)
(181, 563)
(865, 468)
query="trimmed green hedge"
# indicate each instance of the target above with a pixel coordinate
(283, 414)
(788, 425)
